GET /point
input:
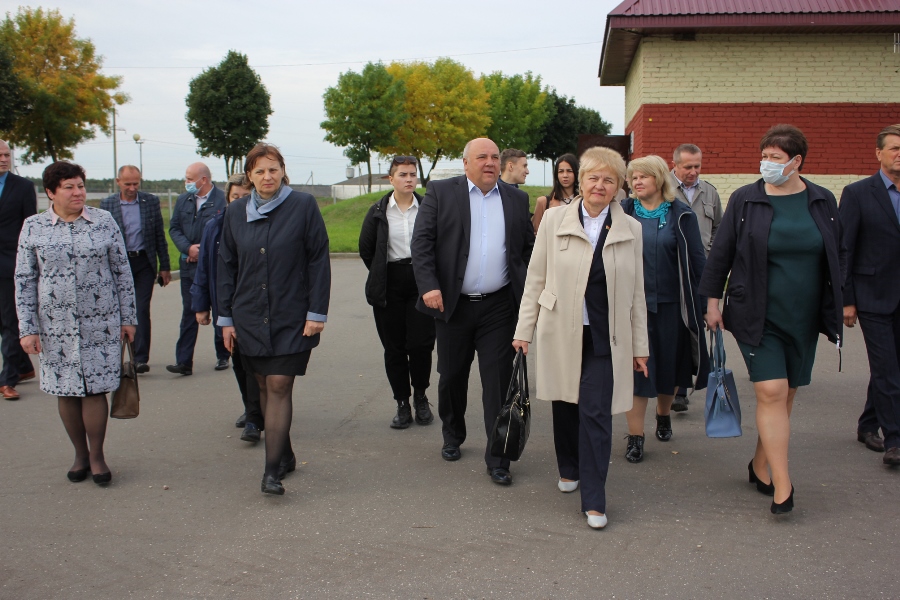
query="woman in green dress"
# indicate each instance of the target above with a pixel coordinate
(779, 249)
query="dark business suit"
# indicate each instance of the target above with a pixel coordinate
(440, 250)
(144, 262)
(186, 229)
(17, 202)
(872, 236)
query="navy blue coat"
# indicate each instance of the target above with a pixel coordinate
(272, 273)
(17, 202)
(186, 226)
(691, 263)
(203, 290)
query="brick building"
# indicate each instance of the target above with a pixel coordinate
(719, 73)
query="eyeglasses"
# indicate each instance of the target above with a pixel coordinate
(404, 160)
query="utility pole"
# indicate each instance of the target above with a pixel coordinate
(137, 140)
(115, 156)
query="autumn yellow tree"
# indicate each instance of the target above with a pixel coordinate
(446, 106)
(65, 97)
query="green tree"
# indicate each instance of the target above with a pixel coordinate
(561, 132)
(228, 110)
(447, 107)
(65, 98)
(519, 110)
(11, 93)
(364, 111)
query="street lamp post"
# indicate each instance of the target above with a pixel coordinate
(140, 143)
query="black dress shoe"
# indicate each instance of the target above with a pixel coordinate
(404, 417)
(287, 466)
(140, 367)
(250, 433)
(634, 453)
(271, 485)
(424, 415)
(450, 452)
(221, 364)
(499, 475)
(871, 439)
(103, 478)
(79, 475)
(242, 420)
(180, 369)
(680, 404)
(892, 457)
(785, 507)
(664, 428)
(763, 488)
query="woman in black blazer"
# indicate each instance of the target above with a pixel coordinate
(406, 334)
(273, 291)
(779, 251)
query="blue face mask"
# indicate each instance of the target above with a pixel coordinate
(190, 187)
(773, 172)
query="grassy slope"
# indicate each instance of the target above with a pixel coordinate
(344, 219)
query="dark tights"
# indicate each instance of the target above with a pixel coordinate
(85, 422)
(278, 410)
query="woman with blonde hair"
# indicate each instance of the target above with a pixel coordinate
(673, 263)
(584, 296)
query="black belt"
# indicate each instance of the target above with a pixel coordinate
(136, 253)
(480, 297)
(402, 261)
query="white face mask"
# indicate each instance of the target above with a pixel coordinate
(773, 172)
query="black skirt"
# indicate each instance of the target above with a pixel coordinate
(670, 365)
(285, 364)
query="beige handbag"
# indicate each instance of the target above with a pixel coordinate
(126, 401)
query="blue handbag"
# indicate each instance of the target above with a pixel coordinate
(723, 411)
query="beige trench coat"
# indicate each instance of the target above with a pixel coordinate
(551, 311)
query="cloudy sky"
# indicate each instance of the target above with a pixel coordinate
(299, 49)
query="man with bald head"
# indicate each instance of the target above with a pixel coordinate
(140, 219)
(201, 202)
(470, 252)
(18, 201)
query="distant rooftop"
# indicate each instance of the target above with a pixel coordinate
(377, 179)
(630, 21)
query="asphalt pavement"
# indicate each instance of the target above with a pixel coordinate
(376, 513)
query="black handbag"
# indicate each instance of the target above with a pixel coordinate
(513, 424)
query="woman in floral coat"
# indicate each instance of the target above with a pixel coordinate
(75, 301)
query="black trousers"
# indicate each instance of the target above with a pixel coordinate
(406, 334)
(882, 336)
(249, 389)
(485, 327)
(16, 361)
(187, 338)
(144, 278)
(582, 433)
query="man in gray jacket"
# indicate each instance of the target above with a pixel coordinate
(703, 198)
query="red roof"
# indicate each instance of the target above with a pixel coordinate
(632, 20)
(644, 8)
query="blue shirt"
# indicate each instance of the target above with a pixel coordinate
(3, 182)
(893, 193)
(131, 222)
(486, 269)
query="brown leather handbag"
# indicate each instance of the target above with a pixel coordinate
(126, 401)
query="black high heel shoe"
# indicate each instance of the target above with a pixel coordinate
(103, 478)
(767, 489)
(786, 506)
(78, 475)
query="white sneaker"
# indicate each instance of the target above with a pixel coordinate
(596, 521)
(567, 487)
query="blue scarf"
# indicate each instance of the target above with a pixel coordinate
(257, 207)
(660, 213)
